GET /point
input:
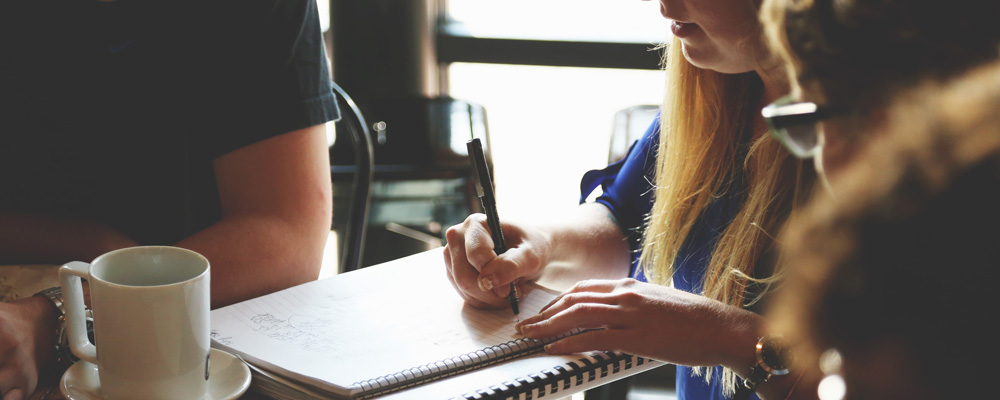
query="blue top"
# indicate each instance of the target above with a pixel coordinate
(628, 188)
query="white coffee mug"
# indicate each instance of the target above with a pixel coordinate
(151, 321)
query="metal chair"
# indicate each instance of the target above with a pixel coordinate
(630, 125)
(361, 190)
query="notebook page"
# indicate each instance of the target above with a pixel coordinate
(365, 324)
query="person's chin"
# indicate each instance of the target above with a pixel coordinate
(706, 57)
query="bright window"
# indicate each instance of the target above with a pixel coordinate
(571, 20)
(549, 125)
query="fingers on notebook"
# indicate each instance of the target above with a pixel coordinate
(576, 295)
(602, 339)
(579, 292)
(594, 285)
(558, 320)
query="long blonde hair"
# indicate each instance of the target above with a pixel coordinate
(707, 117)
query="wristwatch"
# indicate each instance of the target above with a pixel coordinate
(64, 355)
(773, 357)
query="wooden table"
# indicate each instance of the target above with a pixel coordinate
(19, 281)
(48, 388)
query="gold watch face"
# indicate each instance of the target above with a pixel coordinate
(773, 355)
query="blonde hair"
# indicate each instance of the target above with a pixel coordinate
(707, 117)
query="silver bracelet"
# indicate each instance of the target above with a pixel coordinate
(63, 354)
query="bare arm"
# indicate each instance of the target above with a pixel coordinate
(276, 206)
(588, 244)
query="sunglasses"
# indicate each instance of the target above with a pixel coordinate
(794, 124)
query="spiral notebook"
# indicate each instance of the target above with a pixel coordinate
(399, 330)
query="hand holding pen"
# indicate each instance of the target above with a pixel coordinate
(484, 189)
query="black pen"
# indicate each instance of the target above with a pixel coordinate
(484, 189)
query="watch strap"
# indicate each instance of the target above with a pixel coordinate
(63, 354)
(742, 393)
(54, 294)
(772, 359)
(745, 391)
(757, 376)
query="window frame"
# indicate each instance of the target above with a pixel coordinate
(454, 46)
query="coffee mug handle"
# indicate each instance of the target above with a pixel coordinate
(76, 325)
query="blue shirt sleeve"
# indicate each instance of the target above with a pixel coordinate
(628, 187)
(628, 194)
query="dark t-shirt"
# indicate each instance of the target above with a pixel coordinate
(114, 111)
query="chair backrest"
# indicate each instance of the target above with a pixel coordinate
(630, 124)
(355, 125)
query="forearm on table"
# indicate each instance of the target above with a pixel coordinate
(587, 244)
(254, 255)
(33, 239)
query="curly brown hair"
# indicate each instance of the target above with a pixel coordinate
(908, 257)
(856, 54)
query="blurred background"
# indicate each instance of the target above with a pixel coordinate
(541, 81)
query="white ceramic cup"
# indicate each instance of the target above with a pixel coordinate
(151, 321)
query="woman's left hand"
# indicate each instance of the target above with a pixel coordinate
(647, 320)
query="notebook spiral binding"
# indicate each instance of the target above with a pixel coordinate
(491, 355)
(594, 365)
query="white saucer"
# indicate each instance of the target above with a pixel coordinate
(228, 379)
